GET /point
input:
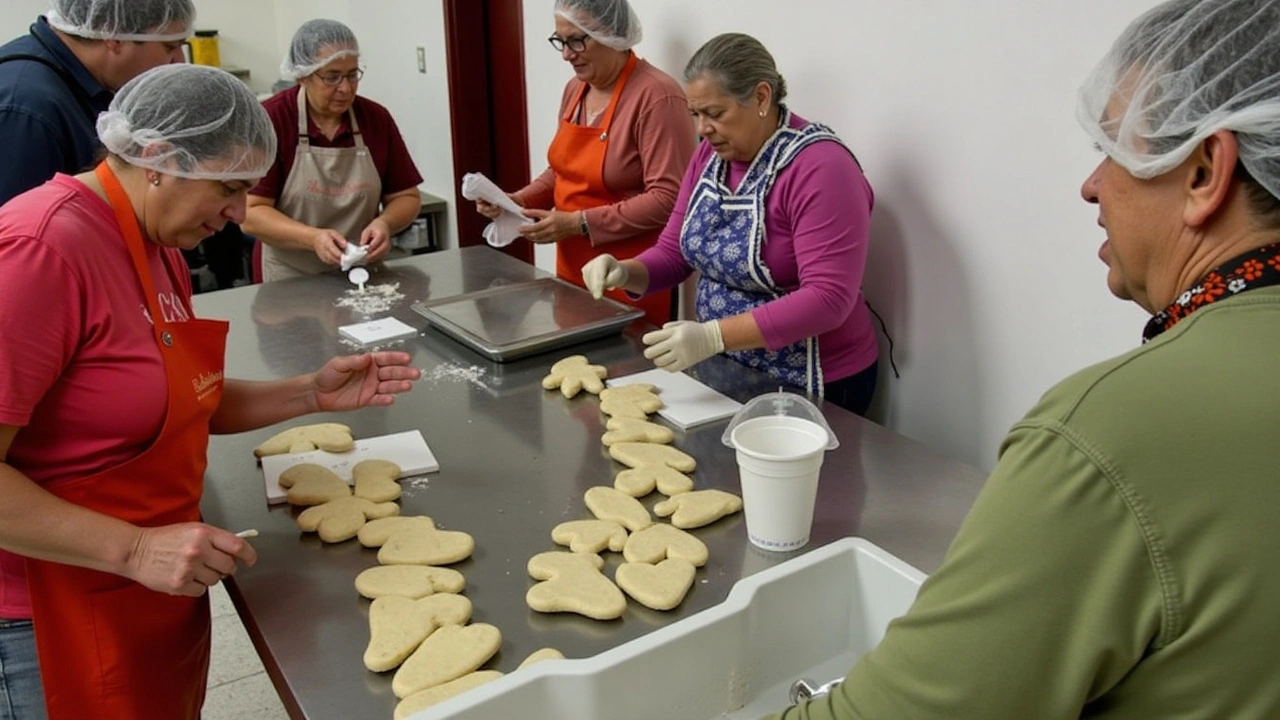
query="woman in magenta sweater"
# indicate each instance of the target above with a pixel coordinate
(774, 211)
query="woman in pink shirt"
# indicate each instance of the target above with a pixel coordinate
(774, 212)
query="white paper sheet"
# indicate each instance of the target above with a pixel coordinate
(380, 330)
(407, 449)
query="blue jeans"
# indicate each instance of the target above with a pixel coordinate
(21, 694)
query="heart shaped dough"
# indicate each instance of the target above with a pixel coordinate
(640, 481)
(629, 429)
(376, 480)
(572, 582)
(590, 536)
(421, 546)
(339, 520)
(698, 508)
(411, 581)
(606, 503)
(538, 656)
(333, 437)
(634, 455)
(397, 625)
(431, 696)
(573, 374)
(661, 587)
(660, 541)
(446, 654)
(312, 484)
(377, 532)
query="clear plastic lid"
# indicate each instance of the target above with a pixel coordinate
(780, 403)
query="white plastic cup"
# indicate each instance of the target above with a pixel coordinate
(779, 457)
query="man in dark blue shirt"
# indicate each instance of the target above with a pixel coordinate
(56, 79)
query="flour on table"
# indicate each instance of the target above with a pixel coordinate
(372, 299)
(473, 374)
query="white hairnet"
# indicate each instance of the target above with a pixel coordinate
(611, 23)
(316, 44)
(192, 121)
(140, 20)
(1183, 71)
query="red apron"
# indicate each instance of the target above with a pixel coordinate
(109, 647)
(577, 157)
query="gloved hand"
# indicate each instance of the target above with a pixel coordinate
(682, 344)
(604, 273)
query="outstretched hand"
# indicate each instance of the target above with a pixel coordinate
(349, 382)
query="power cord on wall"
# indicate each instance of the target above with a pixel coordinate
(888, 337)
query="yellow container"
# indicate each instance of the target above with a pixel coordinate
(204, 48)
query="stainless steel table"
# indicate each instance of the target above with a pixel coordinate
(515, 461)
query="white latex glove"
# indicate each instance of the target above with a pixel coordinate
(604, 273)
(682, 344)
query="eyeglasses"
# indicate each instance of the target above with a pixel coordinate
(575, 44)
(335, 79)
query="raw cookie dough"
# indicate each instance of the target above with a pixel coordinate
(633, 454)
(632, 401)
(377, 532)
(339, 520)
(410, 581)
(422, 700)
(423, 546)
(397, 625)
(446, 654)
(311, 484)
(376, 480)
(660, 541)
(629, 429)
(574, 373)
(698, 508)
(333, 437)
(538, 656)
(572, 582)
(606, 503)
(590, 536)
(661, 587)
(640, 481)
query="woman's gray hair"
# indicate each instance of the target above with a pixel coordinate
(737, 63)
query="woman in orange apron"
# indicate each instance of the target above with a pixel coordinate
(621, 148)
(105, 414)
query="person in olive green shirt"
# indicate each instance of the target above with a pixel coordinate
(1123, 560)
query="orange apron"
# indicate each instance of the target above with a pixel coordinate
(577, 157)
(109, 647)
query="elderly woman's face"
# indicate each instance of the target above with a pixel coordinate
(329, 100)
(596, 63)
(188, 211)
(735, 131)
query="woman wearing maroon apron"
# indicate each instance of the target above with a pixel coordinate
(109, 389)
(623, 140)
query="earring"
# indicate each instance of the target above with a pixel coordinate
(155, 180)
(762, 113)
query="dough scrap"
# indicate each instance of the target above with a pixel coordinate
(377, 532)
(634, 454)
(631, 401)
(410, 581)
(698, 508)
(537, 656)
(341, 519)
(422, 546)
(606, 503)
(641, 480)
(572, 582)
(397, 625)
(590, 536)
(660, 587)
(629, 429)
(431, 696)
(376, 480)
(660, 541)
(575, 373)
(333, 437)
(447, 654)
(312, 484)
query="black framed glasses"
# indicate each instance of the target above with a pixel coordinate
(335, 79)
(577, 44)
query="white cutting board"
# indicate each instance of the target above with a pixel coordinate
(686, 402)
(407, 449)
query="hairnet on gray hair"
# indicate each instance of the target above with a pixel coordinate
(611, 23)
(1183, 71)
(139, 20)
(737, 63)
(316, 44)
(191, 121)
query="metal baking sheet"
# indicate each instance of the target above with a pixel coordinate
(509, 321)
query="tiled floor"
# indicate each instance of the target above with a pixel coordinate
(238, 686)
